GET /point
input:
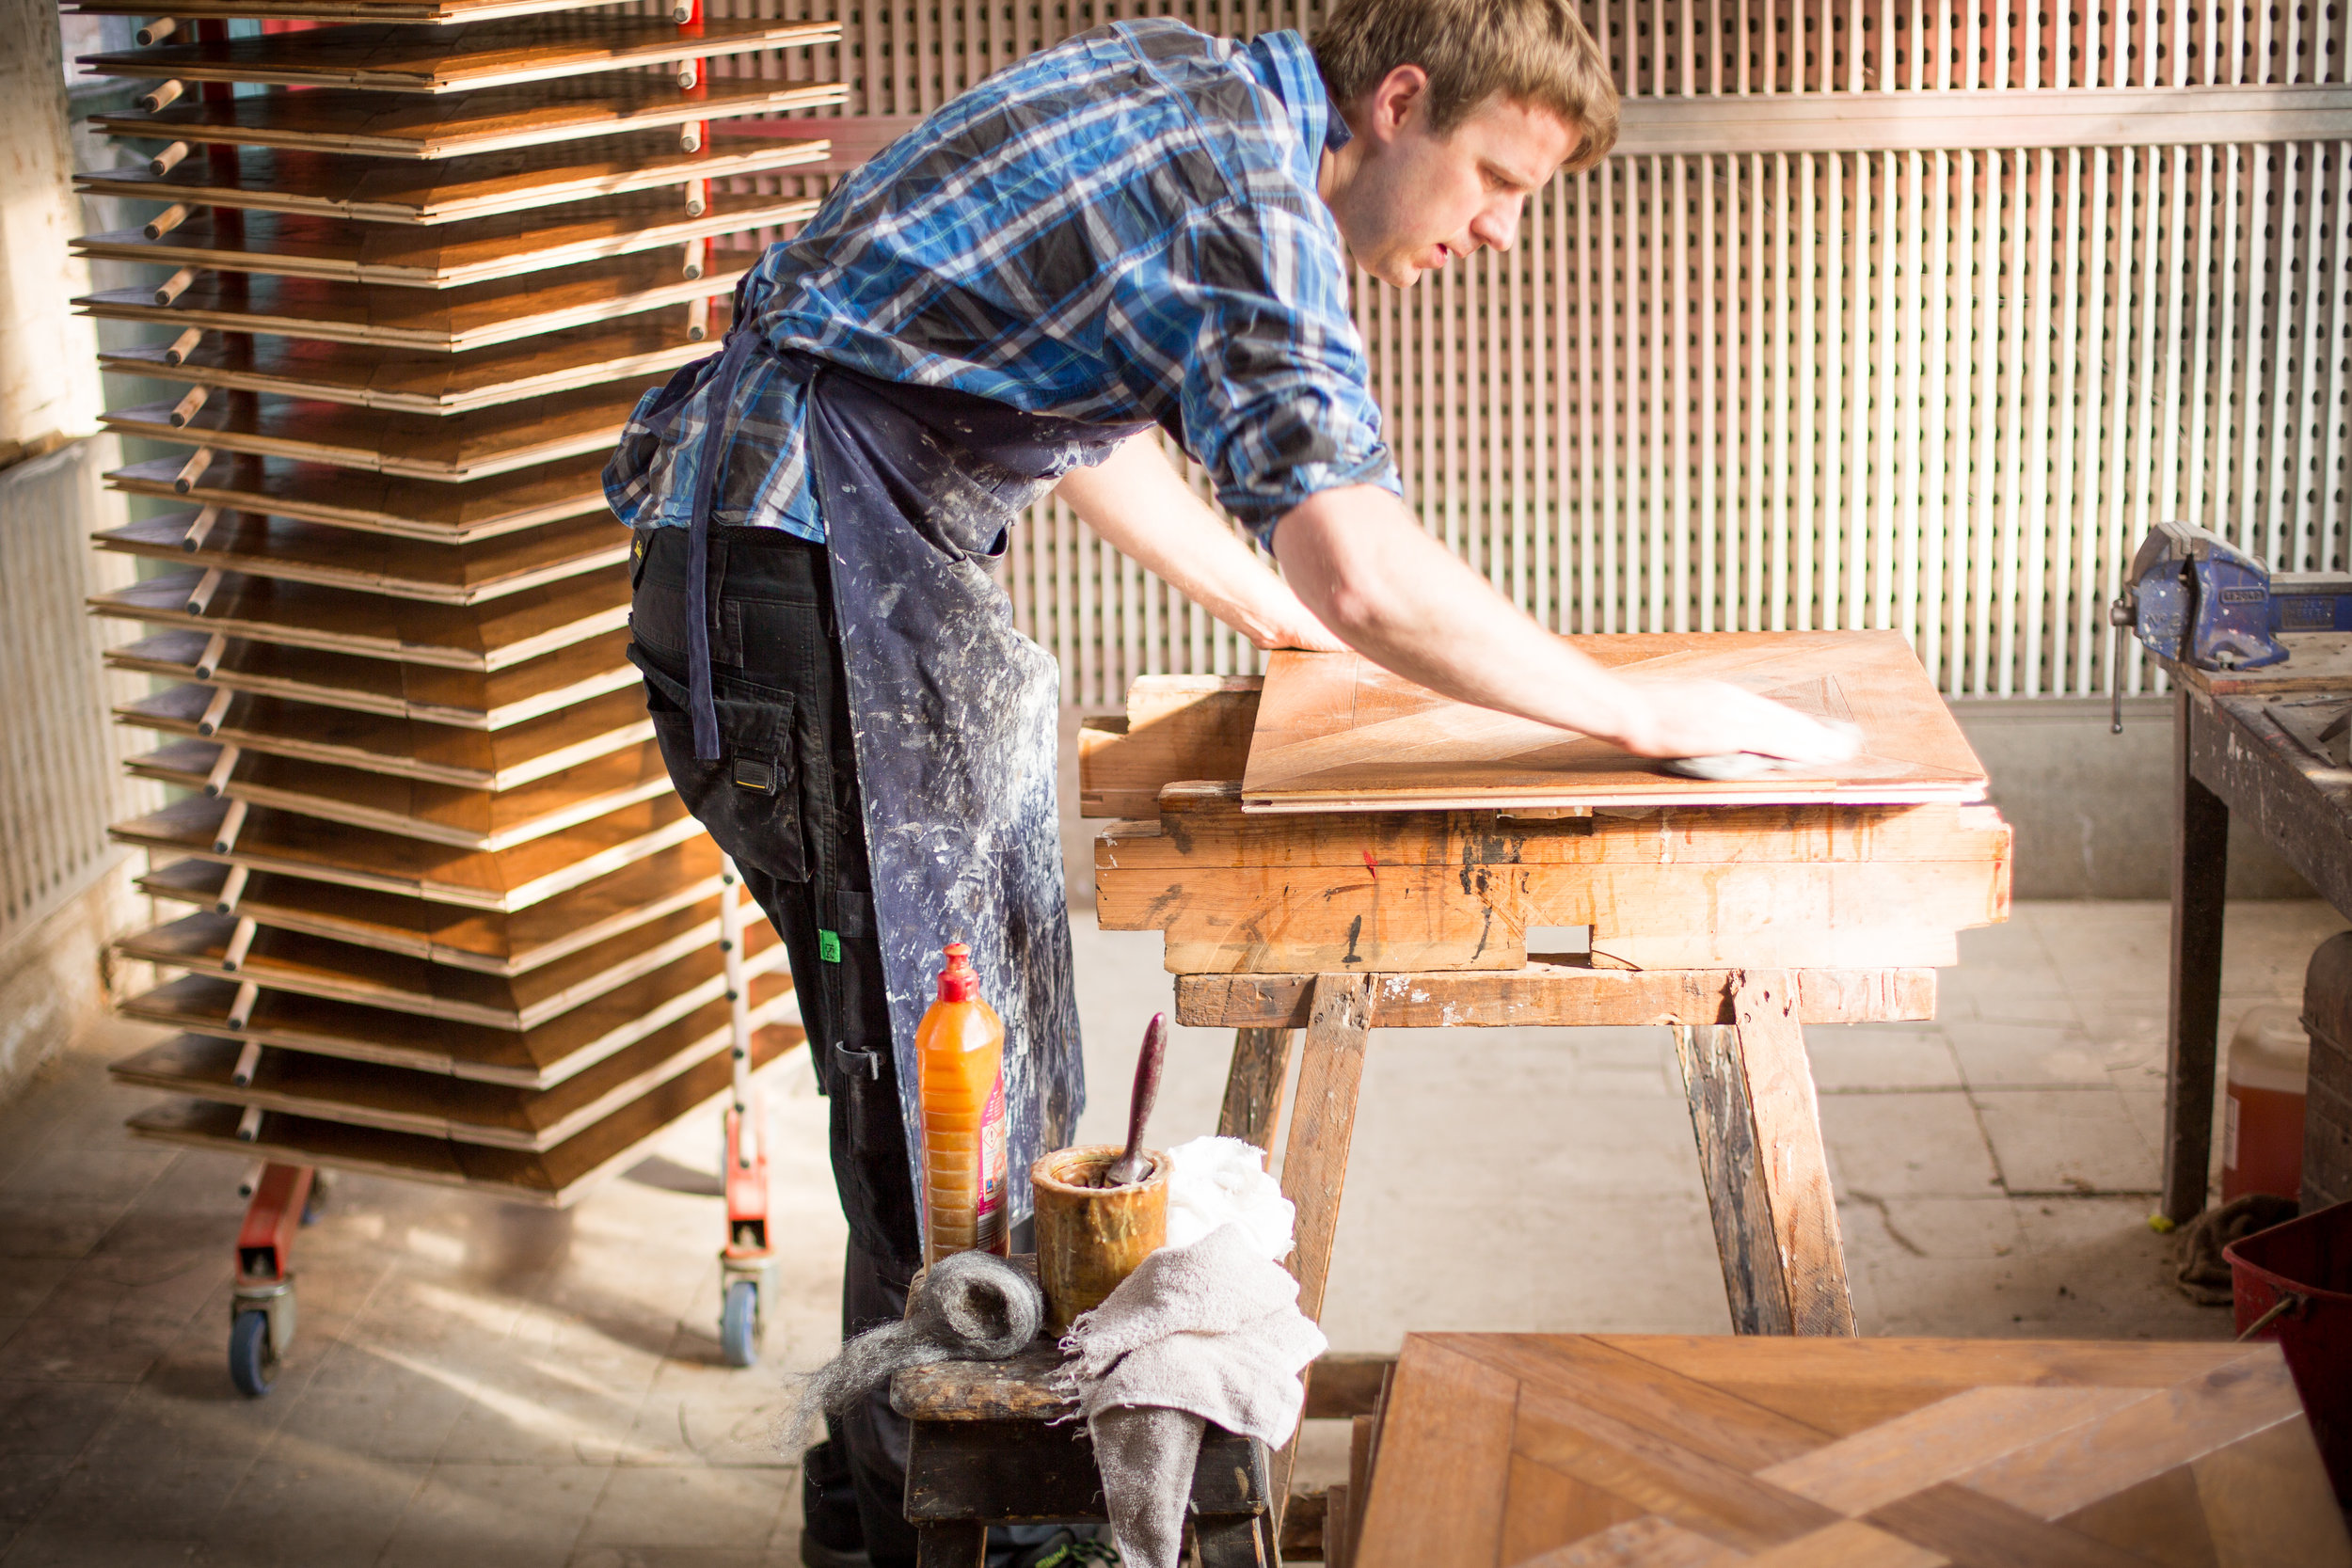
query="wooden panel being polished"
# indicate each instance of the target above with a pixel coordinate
(454, 256)
(439, 814)
(536, 1058)
(376, 190)
(271, 840)
(447, 321)
(417, 446)
(279, 961)
(645, 348)
(499, 635)
(406, 59)
(335, 119)
(1520, 1449)
(295, 551)
(1336, 732)
(490, 942)
(364, 1093)
(566, 491)
(557, 1178)
(474, 757)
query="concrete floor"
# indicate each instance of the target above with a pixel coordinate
(481, 1384)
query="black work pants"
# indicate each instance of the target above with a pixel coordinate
(783, 800)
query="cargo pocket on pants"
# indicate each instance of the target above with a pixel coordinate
(749, 797)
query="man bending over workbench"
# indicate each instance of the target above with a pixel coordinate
(1141, 231)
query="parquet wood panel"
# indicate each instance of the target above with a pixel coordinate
(399, 1099)
(536, 1058)
(1337, 733)
(466, 819)
(465, 56)
(286, 548)
(1559, 1449)
(504, 879)
(557, 1178)
(476, 756)
(461, 514)
(412, 381)
(501, 634)
(448, 321)
(450, 256)
(417, 446)
(492, 119)
(339, 10)
(526, 692)
(306, 965)
(489, 941)
(377, 190)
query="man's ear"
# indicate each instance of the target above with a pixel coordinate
(1392, 105)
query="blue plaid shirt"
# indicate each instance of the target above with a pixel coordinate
(1121, 228)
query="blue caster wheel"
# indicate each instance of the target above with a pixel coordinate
(739, 1325)
(252, 1360)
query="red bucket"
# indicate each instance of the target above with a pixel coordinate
(2306, 1264)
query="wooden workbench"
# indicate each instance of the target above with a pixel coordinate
(1735, 925)
(2248, 743)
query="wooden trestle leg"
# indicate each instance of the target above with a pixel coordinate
(1759, 1128)
(1253, 1086)
(1314, 1161)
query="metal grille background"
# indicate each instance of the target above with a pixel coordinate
(1870, 322)
(61, 780)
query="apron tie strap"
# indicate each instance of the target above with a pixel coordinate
(701, 706)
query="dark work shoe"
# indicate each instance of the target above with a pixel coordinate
(831, 1536)
(1051, 1546)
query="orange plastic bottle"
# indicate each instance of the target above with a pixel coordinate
(960, 1051)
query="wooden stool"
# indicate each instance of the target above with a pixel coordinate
(984, 1452)
(1683, 1450)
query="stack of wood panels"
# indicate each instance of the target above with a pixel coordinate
(438, 912)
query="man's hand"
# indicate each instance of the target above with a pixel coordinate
(1366, 569)
(1134, 500)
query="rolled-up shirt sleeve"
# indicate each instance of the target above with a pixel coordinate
(1244, 316)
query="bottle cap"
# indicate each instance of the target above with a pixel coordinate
(959, 981)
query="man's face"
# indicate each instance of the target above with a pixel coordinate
(1408, 201)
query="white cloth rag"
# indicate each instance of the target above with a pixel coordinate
(1214, 1181)
(1209, 1332)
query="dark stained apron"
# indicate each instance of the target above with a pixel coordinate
(953, 714)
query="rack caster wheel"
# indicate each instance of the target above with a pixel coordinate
(252, 1360)
(739, 1325)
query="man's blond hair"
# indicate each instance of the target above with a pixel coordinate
(1534, 53)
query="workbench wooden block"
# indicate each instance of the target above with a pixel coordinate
(1795, 886)
(1556, 996)
(1175, 728)
(1569, 1449)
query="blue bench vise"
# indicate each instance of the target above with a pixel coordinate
(2195, 598)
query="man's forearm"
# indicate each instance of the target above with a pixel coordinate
(1139, 505)
(1362, 562)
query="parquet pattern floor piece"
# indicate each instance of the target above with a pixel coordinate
(406, 59)
(1524, 1450)
(378, 190)
(488, 119)
(445, 320)
(453, 256)
(1337, 733)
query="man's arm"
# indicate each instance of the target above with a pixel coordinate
(1134, 500)
(1362, 563)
